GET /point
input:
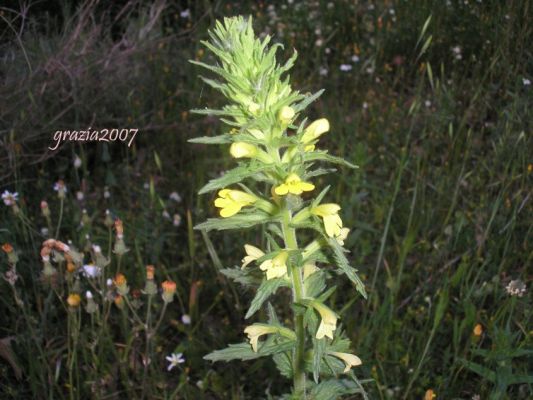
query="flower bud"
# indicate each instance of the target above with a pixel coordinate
(73, 300)
(122, 284)
(243, 150)
(119, 301)
(150, 288)
(45, 209)
(313, 131)
(169, 288)
(286, 115)
(12, 256)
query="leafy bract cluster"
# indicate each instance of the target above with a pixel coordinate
(272, 185)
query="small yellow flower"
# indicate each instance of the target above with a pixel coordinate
(341, 237)
(257, 330)
(275, 267)
(350, 360)
(252, 254)
(328, 323)
(73, 300)
(231, 201)
(332, 221)
(243, 150)
(286, 115)
(314, 130)
(293, 184)
(478, 330)
(430, 395)
(309, 269)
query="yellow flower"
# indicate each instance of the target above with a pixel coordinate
(314, 130)
(242, 150)
(341, 237)
(252, 254)
(231, 201)
(73, 300)
(275, 267)
(349, 359)
(293, 184)
(328, 323)
(332, 221)
(256, 330)
(430, 394)
(286, 115)
(478, 330)
(309, 269)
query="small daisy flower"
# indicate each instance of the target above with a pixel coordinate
(176, 220)
(80, 196)
(175, 196)
(77, 161)
(526, 82)
(323, 71)
(345, 67)
(174, 359)
(516, 288)
(186, 319)
(355, 58)
(10, 199)
(91, 271)
(185, 13)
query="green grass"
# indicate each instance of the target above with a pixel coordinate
(440, 207)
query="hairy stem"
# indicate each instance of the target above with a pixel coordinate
(295, 273)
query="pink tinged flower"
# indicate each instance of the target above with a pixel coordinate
(9, 198)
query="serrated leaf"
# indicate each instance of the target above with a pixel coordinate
(241, 276)
(239, 221)
(308, 100)
(332, 389)
(324, 156)
(315, 284)
(233, 176)
(342, 262)
(284, 364)
(243, 351)
(220, 139)
(267, 288)
(319, 347)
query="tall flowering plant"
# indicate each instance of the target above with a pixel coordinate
(274, 186)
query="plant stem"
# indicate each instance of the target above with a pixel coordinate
(291, 243)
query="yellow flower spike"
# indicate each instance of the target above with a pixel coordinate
(332, 221)
(231, 201)
(242, 150)
(315, 130)
(275, 267)
(350, 360)
(328, 323)
(252, 254)
(286, 115)
(293, 184)
(256, 330)
(309, 269)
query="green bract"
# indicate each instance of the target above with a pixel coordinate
(277, 152)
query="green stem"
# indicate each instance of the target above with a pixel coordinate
(291, 243)
(61, 201)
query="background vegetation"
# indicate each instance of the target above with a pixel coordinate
(432, 99)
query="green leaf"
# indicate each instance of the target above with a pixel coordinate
(239, 221)
(315, 284)
(308, 100)
(267, 288)
(243, 351)
(220, 139)
(319, 347)
(241, 276)
(233, 176)
(342, 262)
(480, 370)
(332, 389)
(324, 156)
(284, 363)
